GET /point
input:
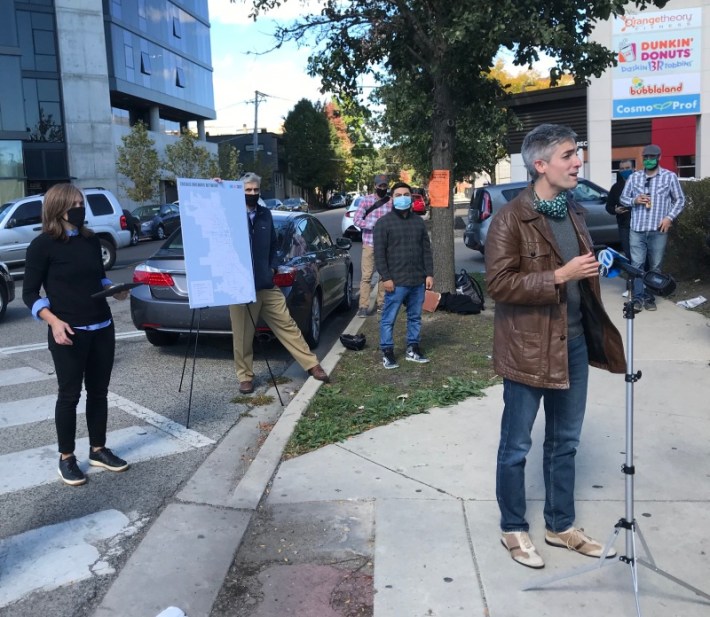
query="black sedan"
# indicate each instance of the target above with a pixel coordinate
(156, 221)
(316, 276)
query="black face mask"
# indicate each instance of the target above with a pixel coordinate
(252, 199)
(381, 193)
(76, 216)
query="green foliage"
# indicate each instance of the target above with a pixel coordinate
(229, 166)
(688, 254)
(445, 48)
(312, 160)
(138, 161)
(187, 159)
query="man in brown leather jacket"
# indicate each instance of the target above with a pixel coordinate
(550, 325)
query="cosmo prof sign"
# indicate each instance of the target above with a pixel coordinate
(658, 64)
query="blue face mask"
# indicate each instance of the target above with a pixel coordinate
(625, 173)
(402, 202)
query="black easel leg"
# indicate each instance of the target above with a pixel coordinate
(266, 359)
(192, 375)
(187, 349)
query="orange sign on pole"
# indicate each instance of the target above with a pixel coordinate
(439, 188)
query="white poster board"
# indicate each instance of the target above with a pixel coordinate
(215, 238)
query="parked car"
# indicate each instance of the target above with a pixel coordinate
(350, 196)
(273, 204)
(21, 222)
(487, 200)
(134, 226)
(348, 227)
(157, 221)
(7, 288)
(315, 275)
(295, 204)
(337, 200)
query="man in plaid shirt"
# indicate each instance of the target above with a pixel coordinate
(365, 218)
(404, 260)
(656, 199)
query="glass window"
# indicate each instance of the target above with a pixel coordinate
(180, 78)
(128, 56)
(28, 213)
(99, 204)
(685, 166)
(177, 28)
(584, 192)
(145, 63)
(44, 42)
(120, 116)
(324, 240)
(11, 159)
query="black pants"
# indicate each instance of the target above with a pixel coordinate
(90, 361)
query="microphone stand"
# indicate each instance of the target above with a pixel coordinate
(628, 523)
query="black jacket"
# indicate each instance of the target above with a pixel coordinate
(262, 236)
(623, 220)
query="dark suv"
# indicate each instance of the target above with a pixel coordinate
(487, 200)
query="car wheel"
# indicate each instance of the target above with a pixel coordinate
(347, 301)
(313, 334)
(3, 301)
(160, 233)
(108, 253)
(134, 237)
(161, 339)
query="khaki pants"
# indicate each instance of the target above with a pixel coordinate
(271, 306)
(368, 271)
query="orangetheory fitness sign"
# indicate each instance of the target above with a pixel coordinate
(658, 64)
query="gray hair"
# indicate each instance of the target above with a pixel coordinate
(251, 177)
(540, 143)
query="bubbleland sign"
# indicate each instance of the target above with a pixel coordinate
(658, 64)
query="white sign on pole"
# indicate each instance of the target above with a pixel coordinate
(215, 238)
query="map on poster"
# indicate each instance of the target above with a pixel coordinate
(216, 243)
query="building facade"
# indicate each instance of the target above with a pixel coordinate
(659, 93)
(77, 74)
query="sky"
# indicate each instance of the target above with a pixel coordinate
(242, 67)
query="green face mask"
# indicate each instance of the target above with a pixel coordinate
(650, 163)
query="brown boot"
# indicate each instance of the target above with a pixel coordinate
(246, 387)
(318, 373)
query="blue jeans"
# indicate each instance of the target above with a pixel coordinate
(414, 297)
(564, 414)
(651, 245)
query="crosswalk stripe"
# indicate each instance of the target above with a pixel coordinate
(29, 410)
(190, 437)
(23, 374)
(8, 351)
(56, 555)
(37, 466)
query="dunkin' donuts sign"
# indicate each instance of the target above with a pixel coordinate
(658, 64)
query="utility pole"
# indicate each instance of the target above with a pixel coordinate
(258, 97)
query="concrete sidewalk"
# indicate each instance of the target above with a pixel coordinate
(426, 484)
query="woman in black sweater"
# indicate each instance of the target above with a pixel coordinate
(65, 259)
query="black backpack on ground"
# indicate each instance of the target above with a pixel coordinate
(466, 285)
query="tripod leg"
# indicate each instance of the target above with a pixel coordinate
(187, 349)
(646, 550)
(192, 376)
(674, 579)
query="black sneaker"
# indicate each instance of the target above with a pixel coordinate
(107, 459)
(388, 360)
(69, 471)
(649, 305)
(414, 354)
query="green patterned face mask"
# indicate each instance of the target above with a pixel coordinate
(555, 208)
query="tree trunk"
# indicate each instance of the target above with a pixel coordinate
(442, 219)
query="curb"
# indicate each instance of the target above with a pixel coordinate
(191, 545)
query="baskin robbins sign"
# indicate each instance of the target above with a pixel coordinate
(658, 64)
